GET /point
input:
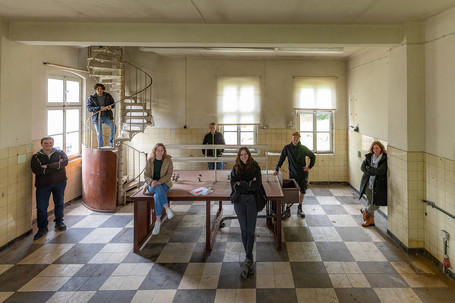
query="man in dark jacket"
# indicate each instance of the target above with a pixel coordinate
(102, 104)
(214, 137)
(48, 165)
(298, 168)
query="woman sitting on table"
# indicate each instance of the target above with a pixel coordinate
(158, 173)
(245, 183)
(374, 182)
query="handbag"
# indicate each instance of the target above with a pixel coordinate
(261, 198)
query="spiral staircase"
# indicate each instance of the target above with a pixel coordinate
(133, 113)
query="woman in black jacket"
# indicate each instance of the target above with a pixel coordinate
(245, 183)
(374, 182)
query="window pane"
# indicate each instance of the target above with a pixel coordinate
(54, 90)
(307, 140)
(72, 143)
(58, 141)
(72, 91)
(230, 138)
(72, 120)
(230, 128)
(54, 122)
(247, 128)
(306, 122)
(323, 141)
(246, 138)
(323, 122)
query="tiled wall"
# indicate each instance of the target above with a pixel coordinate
(17, 197)
(327, 167)
(440, 188)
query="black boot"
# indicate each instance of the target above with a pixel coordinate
(286, 214)
(300, 211)
(245, 268)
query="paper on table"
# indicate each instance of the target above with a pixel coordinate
(201, 191)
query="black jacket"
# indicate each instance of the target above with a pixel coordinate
(247, 185)
(219, 139)
(380, 182)
(55, 171)
(296, 155)
(93, 106)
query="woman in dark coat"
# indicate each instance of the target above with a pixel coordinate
(246, 181)
(374, 182)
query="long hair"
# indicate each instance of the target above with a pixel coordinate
(153, 155)
(381, 146)
(239, 166)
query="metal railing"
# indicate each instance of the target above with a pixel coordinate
(135, 161)
(433, 204)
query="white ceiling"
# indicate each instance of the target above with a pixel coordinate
(227, 12)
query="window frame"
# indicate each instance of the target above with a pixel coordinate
(64, 107)
(315, 132)
(239, 134)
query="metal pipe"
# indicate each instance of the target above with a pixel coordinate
(433, 204)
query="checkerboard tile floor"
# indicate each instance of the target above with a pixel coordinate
(326, 257)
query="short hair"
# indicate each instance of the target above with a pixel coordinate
(154, 150)
(46, 138)
(99, 85)
(296, 134)
(213, 123)
(381, 146)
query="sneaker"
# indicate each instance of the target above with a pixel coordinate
(156, 229)
(286, 214)
(300, 212)
(60, 226)
(40, 233)
(169, 213)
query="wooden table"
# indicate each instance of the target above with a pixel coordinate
(144, 215)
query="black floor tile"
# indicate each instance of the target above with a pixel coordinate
(35, 296)
(351, 295)
(19, 275)
(266, 252)
(135, 258)
(105, 270)
(18, 251)
(74, 284)
(311, 280)
(70, 221)
(152, 251)
(93, 283)
(432, 295)
(348, 200)
(196, 210)
(297, 234)
(352, 234)
(321, 191)
(318, 221)
(117, 221)
(79, 254)
(276, 295)
(164, 276)
(376, 267)
(342, 255)
(102, 296)
(72, 235)
(309, 200)
(386, 280)
(124, 236)
(230, 277)
(195, 295)
(122, 296)
(216, 255)
(334, 209)
(186, 234)
(234, 234)
(392, 252)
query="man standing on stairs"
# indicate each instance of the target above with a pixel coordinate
(214, 137)
(102, 104)
(297, 153)
(48, 165)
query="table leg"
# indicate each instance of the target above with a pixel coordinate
(278, 225)
(141, 223)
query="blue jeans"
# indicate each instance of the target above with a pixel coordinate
(219, 165)
(247, 213)
(159, 195)
(99, 132)
(42, 202)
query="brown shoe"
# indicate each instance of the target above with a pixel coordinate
(368, 222)
(364, 213)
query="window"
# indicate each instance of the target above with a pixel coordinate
(239, 109)
(64, 113)
(240, 134)
(315, 103)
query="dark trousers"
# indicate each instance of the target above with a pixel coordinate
(247, 213)
(42, 203)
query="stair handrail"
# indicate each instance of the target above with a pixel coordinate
(146, 157)
(87, 124)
